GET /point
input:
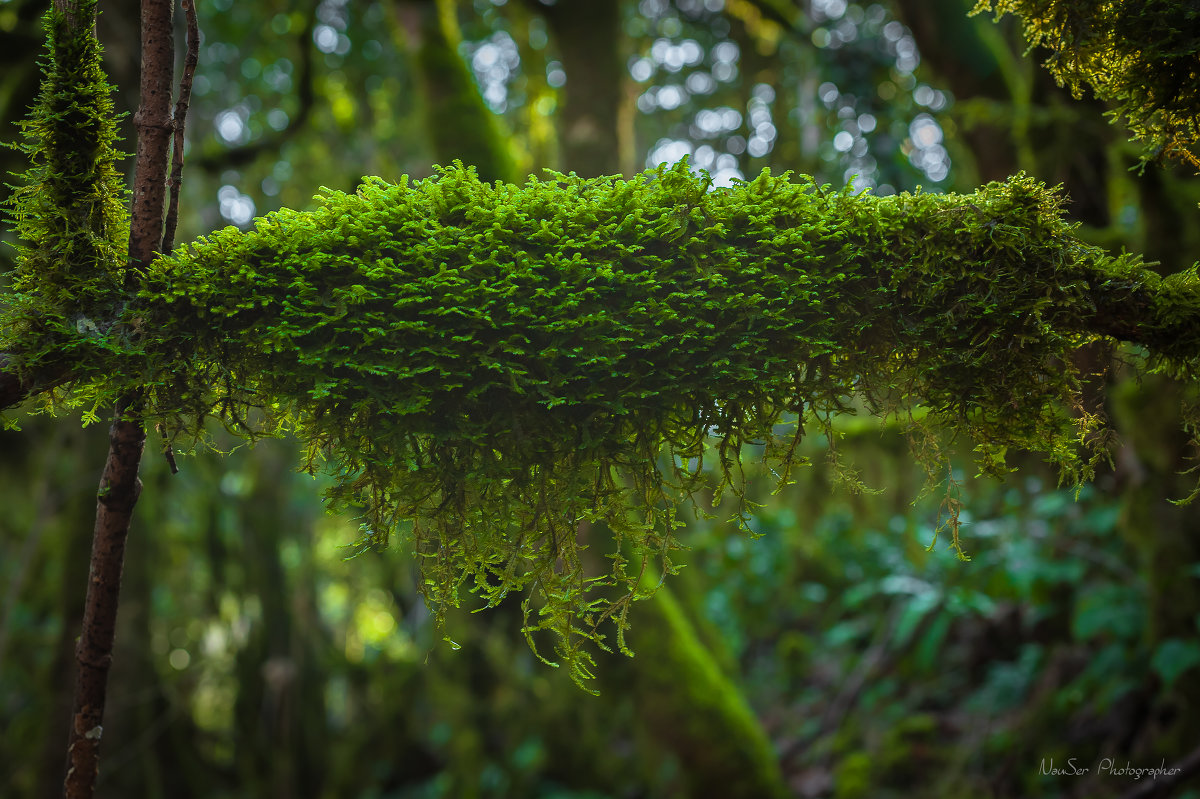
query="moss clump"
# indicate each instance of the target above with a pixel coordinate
(1143, 58)
(488, 365)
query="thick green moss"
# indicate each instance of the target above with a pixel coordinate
(487, 366)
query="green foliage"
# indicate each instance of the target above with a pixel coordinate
(67, 287)
(997, 653)
(1175, 657)
(488, 366)
(1142, 58)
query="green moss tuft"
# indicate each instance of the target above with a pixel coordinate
(1143, 58)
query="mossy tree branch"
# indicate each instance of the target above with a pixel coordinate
(486, 365)
(495, 363)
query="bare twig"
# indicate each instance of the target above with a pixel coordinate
(181, 109)
(168, 449)
(176, 181)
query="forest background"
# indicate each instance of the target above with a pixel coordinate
(832, 656)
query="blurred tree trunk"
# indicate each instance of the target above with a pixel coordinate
(281, 727)
(694, 710)
(1158, 467)
(588, 37)
(1165, 536)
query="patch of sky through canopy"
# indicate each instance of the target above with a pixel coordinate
(866, 118)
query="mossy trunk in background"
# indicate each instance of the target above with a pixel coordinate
(695, 710)
(1166, 536)
(459, 123)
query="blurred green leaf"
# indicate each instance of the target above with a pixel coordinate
(1113, 611)
(1173, 658)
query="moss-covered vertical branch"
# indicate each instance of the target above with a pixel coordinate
(67, 211)
(695, 709)
(119, 483)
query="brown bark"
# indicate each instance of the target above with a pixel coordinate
(119, 483)
(118, 493)
(69, 8)
(154, 127)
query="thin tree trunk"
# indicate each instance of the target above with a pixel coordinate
(119, 483)
(119, 490)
